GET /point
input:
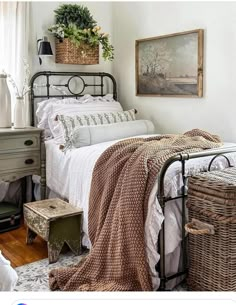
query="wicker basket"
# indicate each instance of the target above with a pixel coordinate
(212, 231)
(67, 52)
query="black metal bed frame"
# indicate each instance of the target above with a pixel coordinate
(182, 158)
(70, 75)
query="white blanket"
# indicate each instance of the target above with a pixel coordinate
(70, 176)
(8, 276)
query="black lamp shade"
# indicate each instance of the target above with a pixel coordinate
(45, 47)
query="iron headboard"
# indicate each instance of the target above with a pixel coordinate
(96, 81)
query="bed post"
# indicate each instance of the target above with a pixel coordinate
(43, 168)
(162, 200)
(57, 85)
(182, 157)
(184, 239)
(162, 286)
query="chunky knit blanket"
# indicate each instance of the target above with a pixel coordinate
(123, 178)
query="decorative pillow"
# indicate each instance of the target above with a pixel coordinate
(89, 135)
(69, 123)
(44, 106)
(47, 110)
(75, 109)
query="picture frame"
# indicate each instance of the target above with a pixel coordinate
(170, 65)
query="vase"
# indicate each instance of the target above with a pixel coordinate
(19, 113)
(5, 103)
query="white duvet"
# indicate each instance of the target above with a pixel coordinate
(70, 175)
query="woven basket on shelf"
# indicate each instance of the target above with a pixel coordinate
(67, 52)
(212, 244)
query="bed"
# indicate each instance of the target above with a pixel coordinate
(69, 175)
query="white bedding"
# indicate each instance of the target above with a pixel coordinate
(70, 174)
(8, 276)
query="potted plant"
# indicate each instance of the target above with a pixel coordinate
(78, 36)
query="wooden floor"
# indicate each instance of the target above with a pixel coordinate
(14, 248)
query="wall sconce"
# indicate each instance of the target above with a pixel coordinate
(44, 48)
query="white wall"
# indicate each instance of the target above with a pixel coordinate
(216, 111)
(128, 21)
(42, 16)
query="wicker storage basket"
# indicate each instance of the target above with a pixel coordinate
(212, 232)
(68, 52)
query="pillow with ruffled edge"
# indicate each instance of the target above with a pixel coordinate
(48, 108)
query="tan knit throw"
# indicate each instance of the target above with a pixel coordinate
(123, 178)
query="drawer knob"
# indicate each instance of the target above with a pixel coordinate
(28, 142)
(29, 161)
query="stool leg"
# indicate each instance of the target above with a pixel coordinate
(30, 236)
(54, 250)
(75, 246)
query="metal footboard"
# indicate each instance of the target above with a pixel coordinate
(182, 158)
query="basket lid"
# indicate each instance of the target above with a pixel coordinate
(215, 186)
(224, 178)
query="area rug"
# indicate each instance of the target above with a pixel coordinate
(34, 276)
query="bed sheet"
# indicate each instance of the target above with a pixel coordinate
(69, 175)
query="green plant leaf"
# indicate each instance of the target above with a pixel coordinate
(77, 24)
(74, 13)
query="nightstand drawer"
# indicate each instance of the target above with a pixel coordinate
(21, 142)
(20, 161)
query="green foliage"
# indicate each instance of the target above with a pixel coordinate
(70, 24)
(107, 48)
(77, 14)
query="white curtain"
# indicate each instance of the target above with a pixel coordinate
(14, 35)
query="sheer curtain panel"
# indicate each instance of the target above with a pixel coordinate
(14, 35)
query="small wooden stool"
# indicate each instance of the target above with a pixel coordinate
(57, 222)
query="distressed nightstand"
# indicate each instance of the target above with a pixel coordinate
(57, 222)
(20, 156)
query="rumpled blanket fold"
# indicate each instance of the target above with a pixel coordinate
(123, 178)
(8, 276)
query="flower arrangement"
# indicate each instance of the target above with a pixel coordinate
(76, 23)
(25, 88)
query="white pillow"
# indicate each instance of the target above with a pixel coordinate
(75, 109)
(48, 109)
(106, 98)
(69, 123)
(89, 135)
(43, 106)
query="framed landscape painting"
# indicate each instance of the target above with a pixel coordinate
(170, 65)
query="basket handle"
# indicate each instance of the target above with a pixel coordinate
(198, 227)
(213, 159)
